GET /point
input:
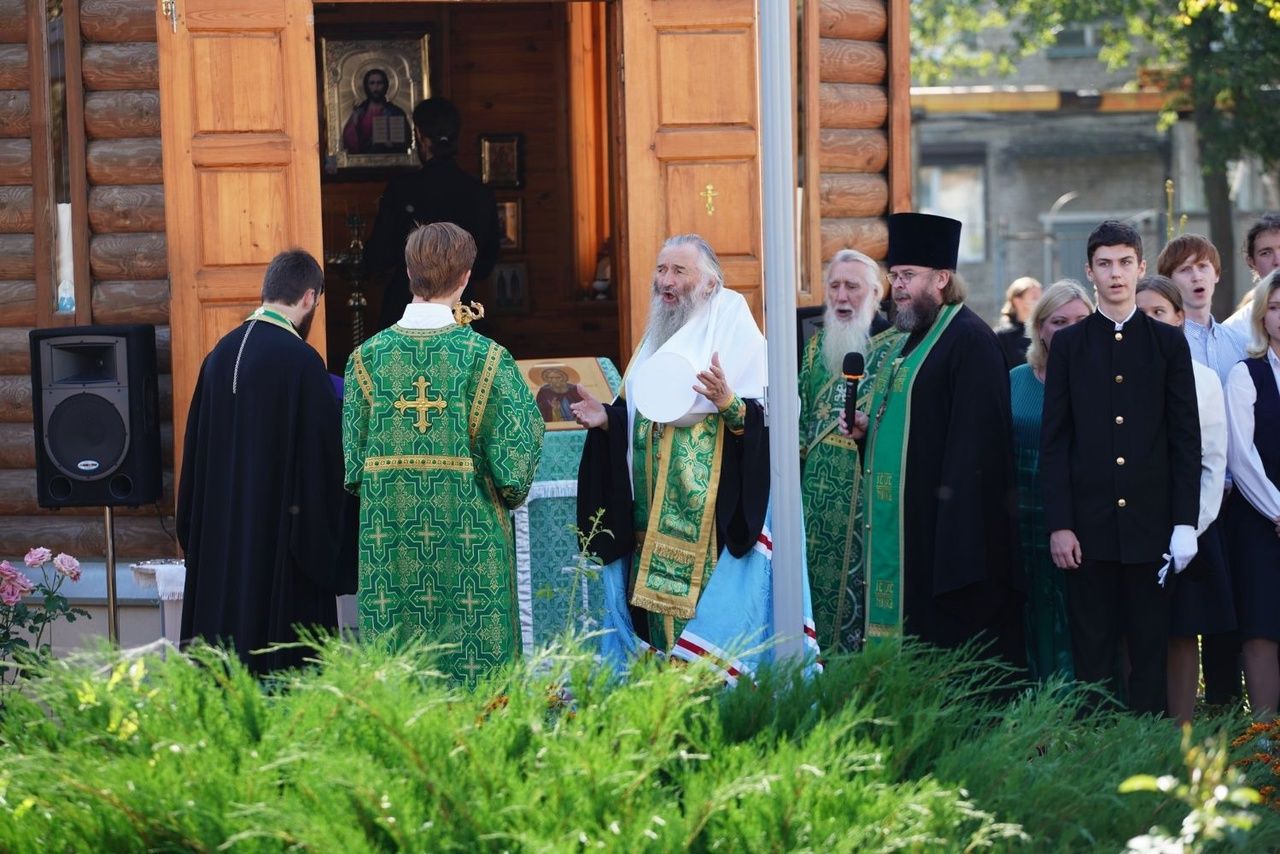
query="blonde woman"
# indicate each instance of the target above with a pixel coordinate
(1019, 302)
(1048, 640)
(1253, 455)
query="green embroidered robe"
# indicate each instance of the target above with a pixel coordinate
(442, 437)
(675, 472)
(831, 476)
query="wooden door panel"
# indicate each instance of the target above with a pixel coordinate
(690, 105)
(241, 164)
(231, 72)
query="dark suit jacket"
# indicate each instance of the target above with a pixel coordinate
(1120, 440)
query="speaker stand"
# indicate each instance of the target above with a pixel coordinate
(113, 624)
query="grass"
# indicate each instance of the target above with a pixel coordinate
(374, 751)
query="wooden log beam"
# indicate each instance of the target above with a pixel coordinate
(17, 256)
(853, 150)
(15, 161)
(118, 20)
(852, 105)
(128, 256)
(852, 195)
(114, 209)
(14, 71)
(13, 22)
(16, 210)
(18, 497)
(17, 303)
(15, 114)
(864, 20)
(15, 350)
(17, 446)
(845, 61)
(144, 301)
(15, 398)
(124, 161)
(867, 235)
(122, 115)
(137, 538)
(133, 65)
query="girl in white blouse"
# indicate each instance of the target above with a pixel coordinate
(1202, 599)
(1253, 415)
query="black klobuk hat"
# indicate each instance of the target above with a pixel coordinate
(923, 240)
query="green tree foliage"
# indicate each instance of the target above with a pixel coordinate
(1218, 60)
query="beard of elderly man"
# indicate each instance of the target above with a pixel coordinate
(851, 292)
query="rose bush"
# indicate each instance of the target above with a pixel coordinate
(23, 625)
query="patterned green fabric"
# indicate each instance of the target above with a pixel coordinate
(1048, 634)
(831, 476)
(442, 438)
(884, 502)
(676, 471)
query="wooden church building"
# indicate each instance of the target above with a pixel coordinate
(156, 154)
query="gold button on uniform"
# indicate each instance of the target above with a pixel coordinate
(1119, 461)
(1119, 419)
(1119, 378)
(1119, 337)
(1120, 503)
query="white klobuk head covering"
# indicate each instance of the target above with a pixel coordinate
(660, 381)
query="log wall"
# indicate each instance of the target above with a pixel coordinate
(128, 262)
(854, 90)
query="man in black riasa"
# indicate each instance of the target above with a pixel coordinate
(1120, 466)
(439, 192)
(262, 514)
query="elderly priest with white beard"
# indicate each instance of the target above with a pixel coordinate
(680, 465)
(831, 465)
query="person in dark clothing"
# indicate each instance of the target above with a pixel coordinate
(262, 515)
(1120, 469)
(941, 553)
(1019, 302)
(439, 192)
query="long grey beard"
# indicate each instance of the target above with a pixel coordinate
(917, 315)
(666, 321)
(842, 337)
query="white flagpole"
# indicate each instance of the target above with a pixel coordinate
(780, 278)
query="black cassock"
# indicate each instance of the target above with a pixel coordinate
(439, 192)
(962, 568)
(262, 513)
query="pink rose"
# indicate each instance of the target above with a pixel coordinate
(37, 557)
(67, 565)
(13, 585)
(7, 571)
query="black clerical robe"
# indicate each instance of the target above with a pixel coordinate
(962, 572)
(439, 192)
(261, 507)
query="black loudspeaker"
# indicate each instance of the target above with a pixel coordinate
(96, 404)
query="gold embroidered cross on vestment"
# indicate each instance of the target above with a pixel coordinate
(420, 404)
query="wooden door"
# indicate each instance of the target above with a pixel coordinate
(240, 135)
(691, 113)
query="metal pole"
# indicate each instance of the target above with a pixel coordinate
(113, 624)
(778, 204)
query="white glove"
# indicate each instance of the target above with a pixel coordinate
(1183, 546)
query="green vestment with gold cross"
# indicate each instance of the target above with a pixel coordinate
(675, 473)
(831, 475)
(442, 438)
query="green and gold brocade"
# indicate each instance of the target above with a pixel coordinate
(831, 475)
(676, 471)
(441, 437)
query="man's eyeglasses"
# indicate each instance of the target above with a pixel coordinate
(906, 276)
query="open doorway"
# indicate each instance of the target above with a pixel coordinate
(531, 81)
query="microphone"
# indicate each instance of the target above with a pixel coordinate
(853, 368)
